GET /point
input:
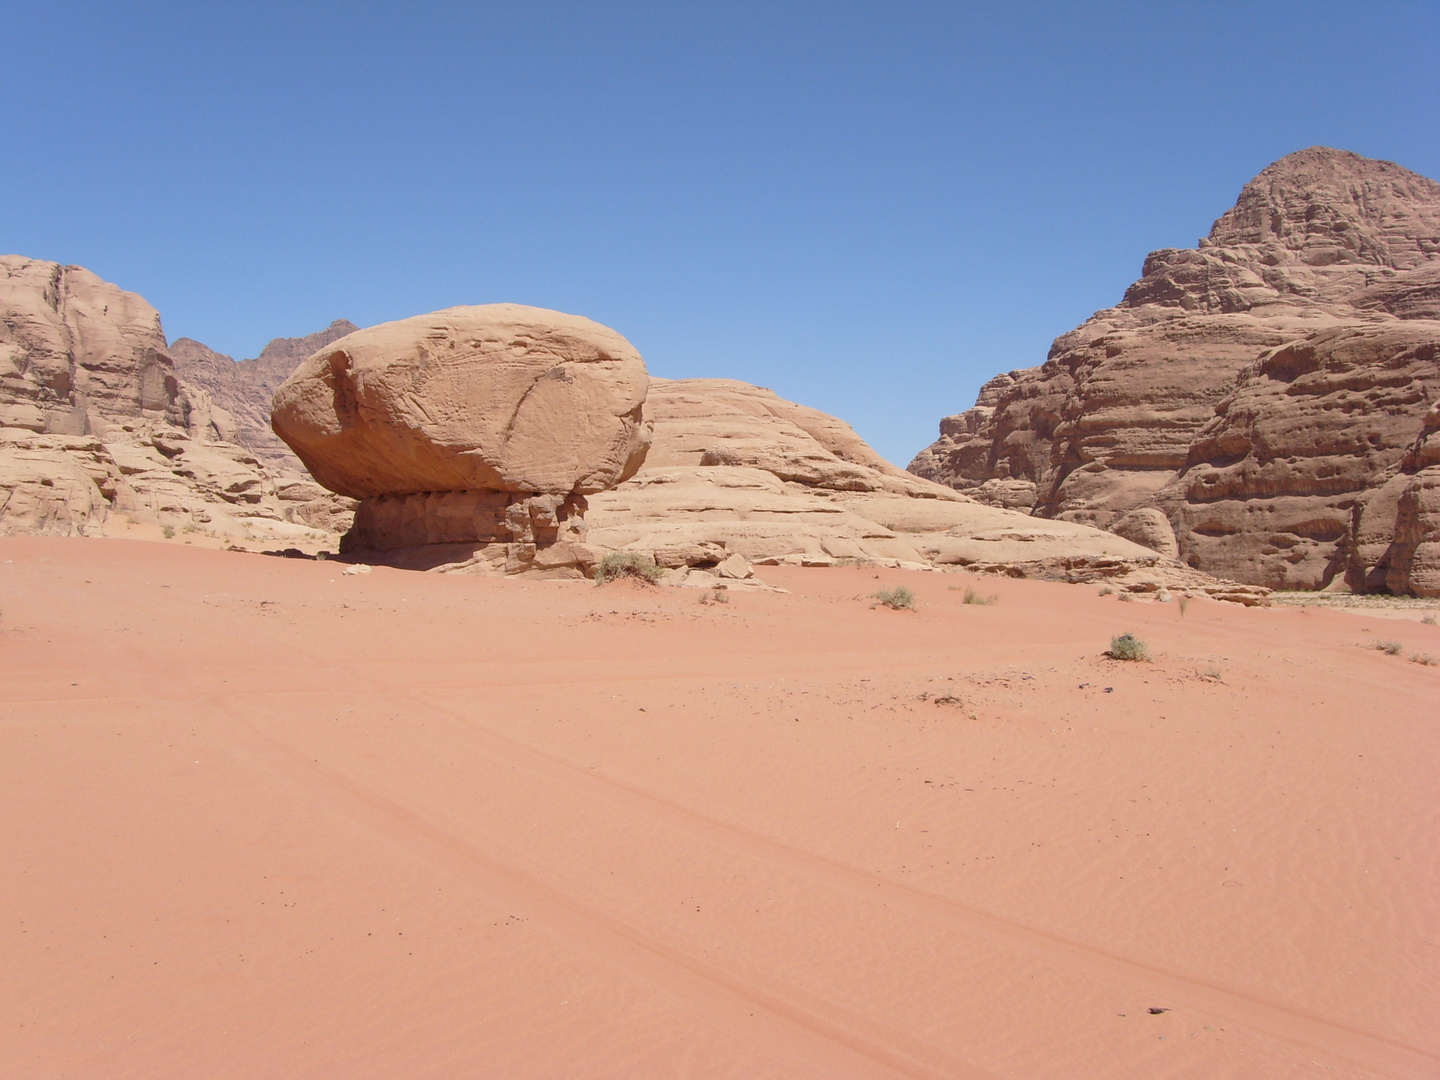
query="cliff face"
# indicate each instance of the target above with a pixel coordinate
(99, 435)
(77, 353)
(1249, 400)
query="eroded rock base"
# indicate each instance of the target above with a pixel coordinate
(478, 532)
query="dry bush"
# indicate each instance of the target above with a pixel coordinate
(900, 598)
(628, 564)
(1128, 647)
(1389, 648)
(973, 597)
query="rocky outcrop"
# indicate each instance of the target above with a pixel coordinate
(77, 353)
(733, 469)
(482, 426)
(97, 433)
(1259, 393)
(235, 403)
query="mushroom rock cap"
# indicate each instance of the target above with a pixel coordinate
(494, 397)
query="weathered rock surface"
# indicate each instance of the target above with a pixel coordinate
(235, 404)
(96, 429)
(735, 469)
(471, 435)
(77, 352)
(1259, 393)
(496, 397)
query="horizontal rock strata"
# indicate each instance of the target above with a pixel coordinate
(733, 469)
(1250, 404)
(98, 435)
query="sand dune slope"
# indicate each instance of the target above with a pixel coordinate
(261, 818)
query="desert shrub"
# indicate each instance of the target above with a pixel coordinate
(1182, 602)
(1106, 590)
(1126, 597)
(1389, 648)
(628, 564)
(1428, 620)
(720, 596)
(1128, 647)
(898, 598)
(973, 597)
(169, 532)
(1424, 658)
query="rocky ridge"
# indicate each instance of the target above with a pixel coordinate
(1259, 405)
(99, 436)
(734, 470)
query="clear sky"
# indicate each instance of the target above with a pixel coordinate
(870, 208)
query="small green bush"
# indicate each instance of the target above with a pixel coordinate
(1128, 647)
(898, 598)
(1389, 648)
(628, 564)
(973, 597)
(169, 532)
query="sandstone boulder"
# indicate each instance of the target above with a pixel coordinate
(45, 491)
(1255, 393)
(1149, 528)
(471, 436)
(497, 397)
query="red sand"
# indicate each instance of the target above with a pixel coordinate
(261, 819)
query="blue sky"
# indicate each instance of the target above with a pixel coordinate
(870, 208)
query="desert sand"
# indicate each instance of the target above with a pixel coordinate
(263, 818)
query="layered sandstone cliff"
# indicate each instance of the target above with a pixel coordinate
(736, 470)
(1255, 405)
(98, 434)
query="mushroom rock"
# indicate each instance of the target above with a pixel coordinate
(471, 436)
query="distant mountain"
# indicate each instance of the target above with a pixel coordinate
(240, 391)
(1263, 405)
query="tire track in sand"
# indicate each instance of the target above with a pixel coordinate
(1273, 1018)
(1361, 1047)
(820, 1038)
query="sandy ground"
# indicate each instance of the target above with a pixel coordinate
(260, 819)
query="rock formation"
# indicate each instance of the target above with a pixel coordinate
(238, 393)
(472, 434)
(1256, 404)
(97, 432)
(733, 469)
